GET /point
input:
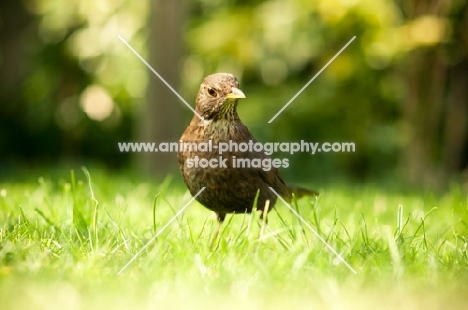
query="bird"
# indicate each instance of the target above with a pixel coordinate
(228, 189)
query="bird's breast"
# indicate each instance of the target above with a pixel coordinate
(223, 130)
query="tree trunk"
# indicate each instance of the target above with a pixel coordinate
(435, 110)
(456, 124)
(159, 120)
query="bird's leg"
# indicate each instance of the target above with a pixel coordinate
(221, 217)
(264, 218)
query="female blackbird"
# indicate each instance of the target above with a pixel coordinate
(228, 188)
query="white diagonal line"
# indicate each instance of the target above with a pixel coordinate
(159, 232)
(315, 232)
(159, 76)
(315, 76)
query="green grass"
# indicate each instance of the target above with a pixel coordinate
(63, 240)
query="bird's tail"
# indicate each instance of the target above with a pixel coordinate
(301, 192)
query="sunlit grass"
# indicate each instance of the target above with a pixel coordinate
(62, 242)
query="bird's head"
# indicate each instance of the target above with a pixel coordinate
(217, 97)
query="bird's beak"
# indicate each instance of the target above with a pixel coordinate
(236, 93)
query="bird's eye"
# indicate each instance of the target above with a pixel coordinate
(212, 92)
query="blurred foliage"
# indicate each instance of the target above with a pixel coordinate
(80, 84)
(77, 86)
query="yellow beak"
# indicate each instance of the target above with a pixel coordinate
(236, 93)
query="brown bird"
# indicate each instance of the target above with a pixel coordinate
(228, 189)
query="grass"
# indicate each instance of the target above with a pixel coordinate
(63, 240)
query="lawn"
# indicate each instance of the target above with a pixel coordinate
(63, 239)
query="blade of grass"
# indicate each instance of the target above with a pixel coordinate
(95, 209)
(155, 201)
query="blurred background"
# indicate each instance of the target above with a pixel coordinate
(70, 89)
